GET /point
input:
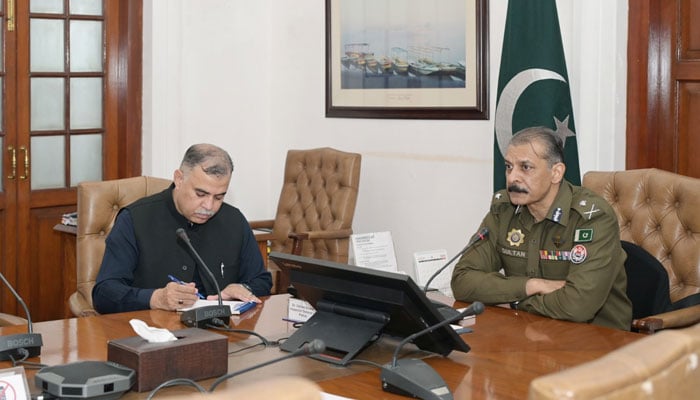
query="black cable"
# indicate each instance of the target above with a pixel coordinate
(359, 361)
(246, 348)
(264, 340)
(176, 382)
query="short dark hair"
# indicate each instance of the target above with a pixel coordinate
(553, 146)
(220, 163)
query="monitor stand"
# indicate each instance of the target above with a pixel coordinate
(345, 330)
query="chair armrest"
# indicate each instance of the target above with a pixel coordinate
(262, 224)
(263, 236)
(299, 237)
(79, 306)
(672, 319)
(9, 319)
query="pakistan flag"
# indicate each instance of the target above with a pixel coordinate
(533, 86)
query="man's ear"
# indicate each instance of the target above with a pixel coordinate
(178, 176)
(558, 170)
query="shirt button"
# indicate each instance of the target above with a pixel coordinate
(184, 267)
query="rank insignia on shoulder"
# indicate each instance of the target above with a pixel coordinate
(515, 237)
(590, 213)
(583, 235)
(497, 196)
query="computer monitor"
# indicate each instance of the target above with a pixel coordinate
(355, 305)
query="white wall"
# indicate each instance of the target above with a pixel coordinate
(249, 76)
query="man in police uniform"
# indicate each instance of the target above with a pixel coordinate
(553, 248)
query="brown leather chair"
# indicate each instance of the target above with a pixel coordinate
(659, 211)
(316, 208)
(661, 366)
(98, 203)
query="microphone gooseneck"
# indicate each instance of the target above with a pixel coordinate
(414, 377)
(183, 236)
(23, 345)
(20, 301)
(202, 317)
(475, 308)
(313, 347)
(483, 234)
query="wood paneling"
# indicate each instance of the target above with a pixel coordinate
(663, 84)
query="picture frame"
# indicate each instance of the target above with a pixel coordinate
(407, 59)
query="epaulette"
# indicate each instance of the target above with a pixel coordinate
(500, 200)
(589, 206)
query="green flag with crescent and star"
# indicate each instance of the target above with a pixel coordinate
(533, 86)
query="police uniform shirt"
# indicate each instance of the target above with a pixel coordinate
(578, 241)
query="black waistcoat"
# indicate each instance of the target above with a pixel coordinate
(218, 241)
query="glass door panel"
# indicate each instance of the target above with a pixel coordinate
(86, 46)
(85, 158)
(86, 103)
(46, 45)
(86, 7)
(46, 6)
(48, 156)
(47, 105)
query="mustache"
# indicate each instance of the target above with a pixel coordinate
(516, 189)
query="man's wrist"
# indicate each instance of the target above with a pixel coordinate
(247, 287)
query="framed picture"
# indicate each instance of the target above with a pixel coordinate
(421, 59)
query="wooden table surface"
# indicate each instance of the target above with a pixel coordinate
(508, 350)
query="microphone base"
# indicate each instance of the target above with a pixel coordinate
(11, 346)
(202, 317)
(414, 378)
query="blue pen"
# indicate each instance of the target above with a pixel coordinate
(241, 308)
(174, 279)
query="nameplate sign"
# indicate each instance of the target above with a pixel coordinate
(373, 250)
(426, 263)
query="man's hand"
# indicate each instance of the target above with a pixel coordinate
(542, 286)
(174, 296)
(236, 291)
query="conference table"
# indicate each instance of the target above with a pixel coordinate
(509, 349)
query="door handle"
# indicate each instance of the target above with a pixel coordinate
(13, 158)
(26, 162)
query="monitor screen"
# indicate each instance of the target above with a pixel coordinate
(370, 291)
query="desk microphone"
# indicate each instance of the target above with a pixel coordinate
(315, 346)
(483, 234)
(415, 378)
(21, 345)
(201, 317)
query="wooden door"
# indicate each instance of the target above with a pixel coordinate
(663, 95)
(71, 95)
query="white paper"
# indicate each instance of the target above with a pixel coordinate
(13, 384)
(373, 250)
(426, 263)
(299, 310)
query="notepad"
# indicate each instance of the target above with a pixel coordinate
(237, 307)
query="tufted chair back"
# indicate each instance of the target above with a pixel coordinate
(316, 205)
(98, 203)
(657, 210)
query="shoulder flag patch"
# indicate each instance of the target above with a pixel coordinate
(583, 235)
